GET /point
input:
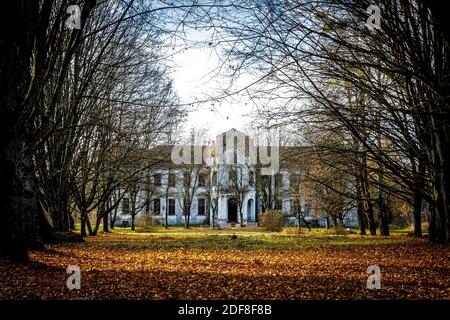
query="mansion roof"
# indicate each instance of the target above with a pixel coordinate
(161, 155)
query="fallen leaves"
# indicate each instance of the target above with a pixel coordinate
(133, 269)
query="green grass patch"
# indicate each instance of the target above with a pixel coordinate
(247, 239)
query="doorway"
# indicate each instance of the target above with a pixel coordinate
(232, 210)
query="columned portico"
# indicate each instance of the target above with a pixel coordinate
(250, 209)
(228, 209)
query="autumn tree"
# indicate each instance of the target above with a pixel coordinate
(34, 49)
(61, 86)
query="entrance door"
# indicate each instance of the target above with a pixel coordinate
(232, 210)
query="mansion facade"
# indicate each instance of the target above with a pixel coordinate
(222, 189)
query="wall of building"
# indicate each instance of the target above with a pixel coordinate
(224, 193)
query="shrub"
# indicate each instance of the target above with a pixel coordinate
(147, 221)
(272, 220)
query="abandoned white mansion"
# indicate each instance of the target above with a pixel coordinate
(221, 184)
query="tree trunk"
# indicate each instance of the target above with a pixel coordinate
(46, 230)
(105, 222)
(213, 215)
(419, 189)
(361, 218)
(367, 204)
(186, 220)
(132, 222)
(335, 222)
(83, 226)
(97, 226)
(368, 210)
(418, 214)
(384, 215)
(18, 213)
(89, 227)
(166, 218)
(18, 207)
(71, 221)
(241, 216)
(59, 214)
(113, 218)
(101, 212)
(187, 215)
(440, 222)
(360, 208)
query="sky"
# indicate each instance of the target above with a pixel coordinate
(194, 72)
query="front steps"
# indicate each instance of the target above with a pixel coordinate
(235, 225)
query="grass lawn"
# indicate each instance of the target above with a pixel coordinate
(201, 263)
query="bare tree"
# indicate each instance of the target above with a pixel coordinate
(306, 54)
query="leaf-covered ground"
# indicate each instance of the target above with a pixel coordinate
(209, 264)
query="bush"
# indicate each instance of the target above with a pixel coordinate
(272, 220)
(147, 220)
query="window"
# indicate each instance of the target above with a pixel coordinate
(125, 205)
(201, 207)
(157, 179)
(202, 180)
(172, 179)
(157, 206)
(171, 207)
(233, 177)
(251, 178)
